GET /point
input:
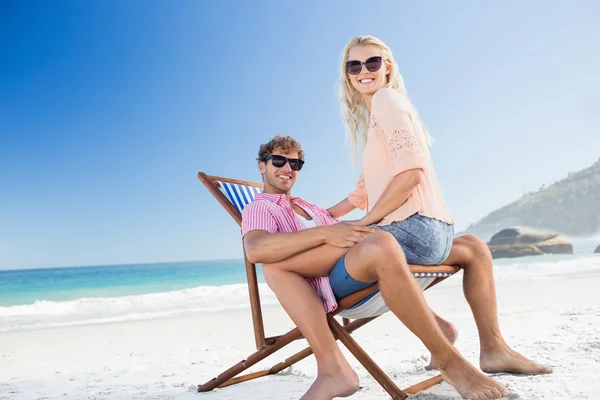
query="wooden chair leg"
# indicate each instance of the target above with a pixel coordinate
(350, 327)
(367, 362)
(273, 370)
(225, 378)
(229, 377)
(426, 384)
(299, 356)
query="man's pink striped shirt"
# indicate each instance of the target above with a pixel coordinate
(273, 213)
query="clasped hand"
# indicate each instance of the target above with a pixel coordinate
(347, 234)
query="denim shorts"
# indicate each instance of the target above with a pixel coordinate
(425, 241)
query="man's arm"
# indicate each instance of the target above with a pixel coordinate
(263, 247)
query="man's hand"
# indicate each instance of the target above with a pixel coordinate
(346, 235)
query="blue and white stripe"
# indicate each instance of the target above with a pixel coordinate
(239, 195)
(430, 274)
(376, 306)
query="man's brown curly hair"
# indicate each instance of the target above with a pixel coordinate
(287, 144)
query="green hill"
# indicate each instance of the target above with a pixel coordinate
(570, 207)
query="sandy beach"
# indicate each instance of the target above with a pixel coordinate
(551, 316)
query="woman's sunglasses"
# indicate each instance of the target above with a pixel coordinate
(373, 64)
(279, 161)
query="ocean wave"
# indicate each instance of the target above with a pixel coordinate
(545, 266)
(45, 314)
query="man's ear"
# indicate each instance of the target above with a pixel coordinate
(261, 167)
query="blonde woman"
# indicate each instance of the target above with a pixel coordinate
(399, 190)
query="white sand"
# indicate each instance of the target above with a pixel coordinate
(554, 319)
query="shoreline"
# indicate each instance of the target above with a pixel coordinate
(550, 320)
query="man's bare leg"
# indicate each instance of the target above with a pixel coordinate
(473, 255)
(380, 258)
(335, 377)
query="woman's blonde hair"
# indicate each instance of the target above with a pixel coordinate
(352, 106)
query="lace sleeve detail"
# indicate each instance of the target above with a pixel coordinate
(360, 185)
(358, 198)
(401, 140)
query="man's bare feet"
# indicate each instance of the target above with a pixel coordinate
(451, 333)
(508, 360)
(469, 382)
(328, 386)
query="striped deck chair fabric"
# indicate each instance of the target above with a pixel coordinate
(239, 195)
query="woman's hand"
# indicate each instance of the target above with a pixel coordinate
(344, 234)
(357, 222)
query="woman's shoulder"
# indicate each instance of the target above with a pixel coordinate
(388, 99)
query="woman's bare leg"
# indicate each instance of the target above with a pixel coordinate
(380, 258)
(321, 260)
(474, 257)
(314, 262)
(450, 332)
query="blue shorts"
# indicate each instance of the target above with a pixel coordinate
(343, 284)
(425, 241)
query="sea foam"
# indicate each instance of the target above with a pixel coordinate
(44, 314)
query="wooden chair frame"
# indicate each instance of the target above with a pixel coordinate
(268, 345)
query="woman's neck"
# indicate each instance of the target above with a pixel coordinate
(367, 99)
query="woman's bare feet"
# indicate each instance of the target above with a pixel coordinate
(450, 332)
(468, 381)
(327, 386)
(508, 360)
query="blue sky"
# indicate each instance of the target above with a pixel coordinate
(109, 109)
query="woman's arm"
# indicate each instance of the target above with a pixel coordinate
(394, 196)
(392, 123)
(340, 209)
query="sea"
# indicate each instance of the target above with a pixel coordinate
(54, 297)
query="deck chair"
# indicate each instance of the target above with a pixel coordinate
(234, 195)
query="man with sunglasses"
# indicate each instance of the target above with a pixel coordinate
(310, 260)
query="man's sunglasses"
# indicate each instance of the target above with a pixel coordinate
(279, 161)
(373, 64)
